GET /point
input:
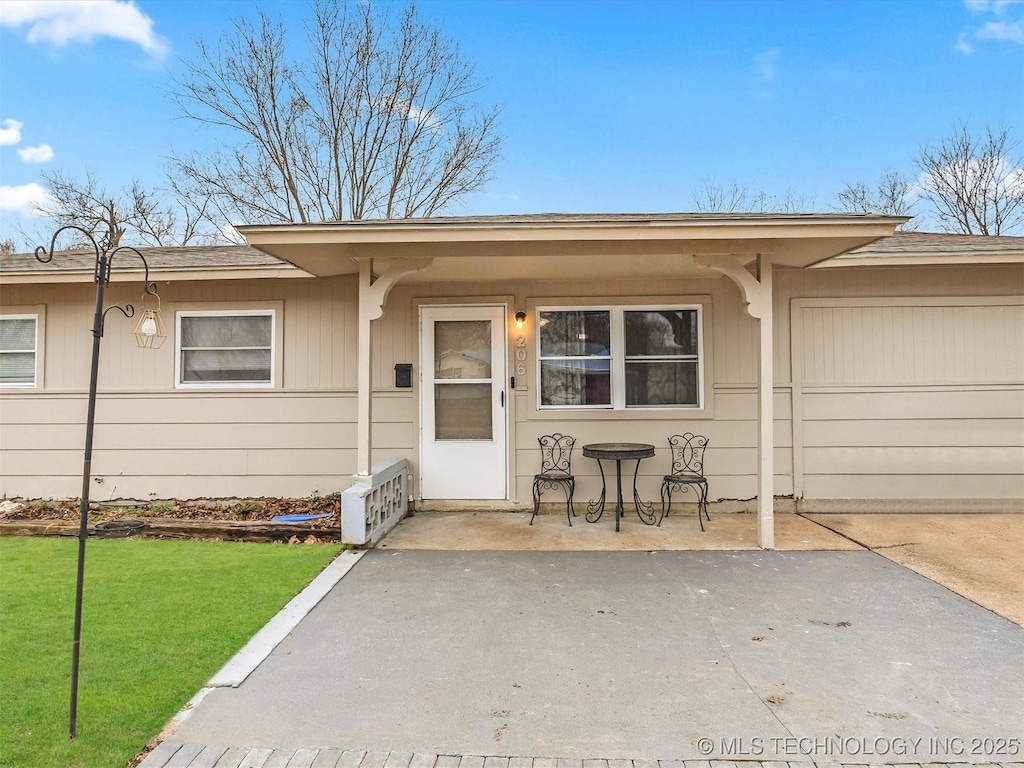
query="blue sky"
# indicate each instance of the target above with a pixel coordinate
(606, 106)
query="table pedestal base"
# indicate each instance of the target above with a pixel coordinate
(619, 452)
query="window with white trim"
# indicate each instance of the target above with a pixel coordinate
(225, 348)
(619, 357)
(18, 344)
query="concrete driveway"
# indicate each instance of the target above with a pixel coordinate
(834, 657)
(978, 556)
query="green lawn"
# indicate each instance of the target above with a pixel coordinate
(159, 619)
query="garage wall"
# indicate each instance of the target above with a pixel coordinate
(908, 398)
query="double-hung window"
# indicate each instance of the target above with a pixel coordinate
(619, 357)
(225, 348)
(18, 343)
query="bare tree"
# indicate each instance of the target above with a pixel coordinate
(142, 216)
(376, 118)
(891, 196)
(714, 197)
(974, 183)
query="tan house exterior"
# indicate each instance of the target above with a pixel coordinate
(832, 364)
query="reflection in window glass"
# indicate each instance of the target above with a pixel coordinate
(575, 382)
(582, 333)
(619, 358)
(661, 357)
(575, 358)
(462, 412)
(662, 332)
(462, 349)
(653, 383)
(18, 351)
(226, 349)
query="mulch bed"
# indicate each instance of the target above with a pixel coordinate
(223, 519)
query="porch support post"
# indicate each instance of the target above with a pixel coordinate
(766, 412)
(757, 292)
(364, 377)
(373, 292)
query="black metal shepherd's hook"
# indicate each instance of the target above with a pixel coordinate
(105, 250)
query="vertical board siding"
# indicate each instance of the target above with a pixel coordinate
(910, 397)
(913, 345)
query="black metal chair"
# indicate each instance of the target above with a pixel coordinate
(555, 470)
(687, 471)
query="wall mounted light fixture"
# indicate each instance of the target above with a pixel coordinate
(520, 319)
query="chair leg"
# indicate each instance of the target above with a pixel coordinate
(701, 490)
(704, 501)
(536, 500)
(665, 489)
(568, 502)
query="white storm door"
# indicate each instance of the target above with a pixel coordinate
(463, 452)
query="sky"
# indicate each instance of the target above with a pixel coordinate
(605, 106)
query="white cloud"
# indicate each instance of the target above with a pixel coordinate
(63, 21)
(41, 154)
(1011, 31)
(998, 26)
(767, 64)
(998, 7)
(503, 196)
(11, 132)
(990, 179)
(963, 45)
(23, 199)
(232, 235)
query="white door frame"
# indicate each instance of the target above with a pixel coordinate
(501, 396)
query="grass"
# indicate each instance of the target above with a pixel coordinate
(159, 619)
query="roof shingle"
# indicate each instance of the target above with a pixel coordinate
(159, 259)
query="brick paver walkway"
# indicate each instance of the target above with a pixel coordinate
(171, 755)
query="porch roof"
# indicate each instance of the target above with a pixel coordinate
(568, 245)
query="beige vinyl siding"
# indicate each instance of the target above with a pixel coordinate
(731, 461)
(318, 321)
(189, 445)
(730, 421)
(841, 431)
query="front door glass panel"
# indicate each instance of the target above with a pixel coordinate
(462, 380)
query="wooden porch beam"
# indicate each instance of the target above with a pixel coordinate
(373, 293)
(757, 292)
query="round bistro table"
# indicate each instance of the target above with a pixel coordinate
(619, 452)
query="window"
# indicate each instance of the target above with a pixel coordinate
(225, 348)
(18, 350)
(621, 357)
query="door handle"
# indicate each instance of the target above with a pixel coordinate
(503, 398)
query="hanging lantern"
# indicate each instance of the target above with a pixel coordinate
(149, 329)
